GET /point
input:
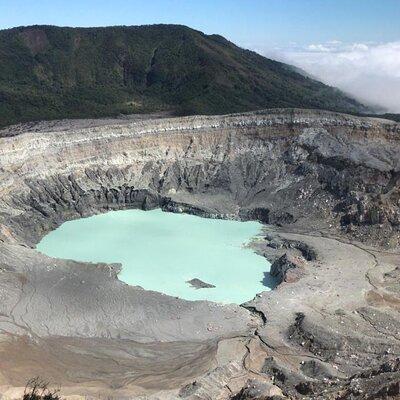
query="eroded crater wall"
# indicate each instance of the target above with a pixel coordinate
(282, 167)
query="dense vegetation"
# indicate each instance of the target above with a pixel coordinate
(393, 117)
(49, 72)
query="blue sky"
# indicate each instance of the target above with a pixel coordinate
(350, 44)
(246, 22)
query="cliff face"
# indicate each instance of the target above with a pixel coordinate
(312, 169)
(316, 174)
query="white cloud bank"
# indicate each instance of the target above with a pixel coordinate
(370, 72)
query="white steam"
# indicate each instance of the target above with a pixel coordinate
(370, 72)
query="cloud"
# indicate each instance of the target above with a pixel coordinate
(368, 71)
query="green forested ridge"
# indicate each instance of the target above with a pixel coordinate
(394, 117)
(49, 72)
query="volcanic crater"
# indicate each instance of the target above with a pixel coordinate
(325, 186)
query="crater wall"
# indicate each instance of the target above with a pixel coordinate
(283, 167)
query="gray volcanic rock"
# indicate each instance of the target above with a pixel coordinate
(199, 284)
(288, 267)
(324, 180)
(259, 390)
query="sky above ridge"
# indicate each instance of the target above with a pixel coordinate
(352, 44)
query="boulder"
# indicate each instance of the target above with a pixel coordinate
(288, 268)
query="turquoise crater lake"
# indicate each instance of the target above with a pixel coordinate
(162, 251)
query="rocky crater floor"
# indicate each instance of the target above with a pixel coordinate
(325, 185)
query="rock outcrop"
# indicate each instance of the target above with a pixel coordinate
(199, 284)
(288, 268)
